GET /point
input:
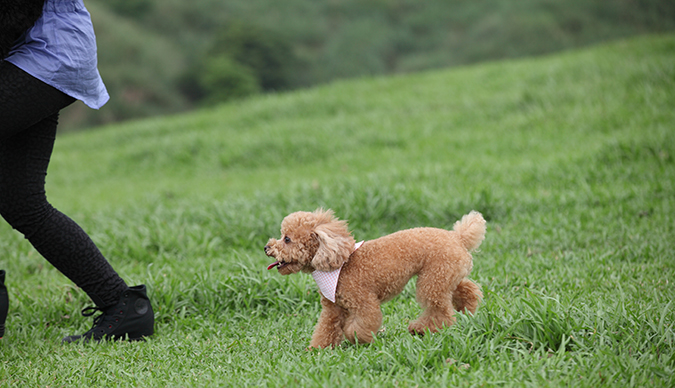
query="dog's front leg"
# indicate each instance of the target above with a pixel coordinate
(363, 323)
(328, 331)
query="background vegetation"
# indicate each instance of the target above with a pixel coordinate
(570, 157)
(167, 56)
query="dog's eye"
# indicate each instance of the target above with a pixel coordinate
(287, 240)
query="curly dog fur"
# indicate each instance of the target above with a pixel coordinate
(379, 270)
(16, 16)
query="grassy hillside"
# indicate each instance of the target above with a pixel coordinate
(570, 158)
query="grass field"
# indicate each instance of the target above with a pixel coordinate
(569, 157)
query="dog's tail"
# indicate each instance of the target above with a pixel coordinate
(471, 230)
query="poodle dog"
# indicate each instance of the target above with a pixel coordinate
(364, 278)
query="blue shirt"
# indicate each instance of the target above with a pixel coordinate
(60, 50)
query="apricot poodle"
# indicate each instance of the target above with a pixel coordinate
(364, 278)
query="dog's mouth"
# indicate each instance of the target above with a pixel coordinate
(278, 264)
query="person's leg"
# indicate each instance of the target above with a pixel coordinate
(28, 118)
(25, 100)
(24, 158)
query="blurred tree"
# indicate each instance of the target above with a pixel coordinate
(266, 53)
(224, 79)
(132, 8)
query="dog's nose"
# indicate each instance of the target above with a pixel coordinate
(266, 248)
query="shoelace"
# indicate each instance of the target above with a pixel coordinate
(98, 321)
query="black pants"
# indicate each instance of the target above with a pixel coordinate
(29, 112)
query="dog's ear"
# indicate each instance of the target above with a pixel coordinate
(335, 245)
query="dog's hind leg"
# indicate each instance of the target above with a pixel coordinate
(328, 331)
(434, 294)
(467, 296)
(363, 322)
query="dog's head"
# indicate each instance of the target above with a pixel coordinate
(310, 241)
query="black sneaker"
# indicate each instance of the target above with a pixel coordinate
(131, 318)
(4, 303)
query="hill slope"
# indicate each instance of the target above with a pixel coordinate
(528, 114)
(571, 158)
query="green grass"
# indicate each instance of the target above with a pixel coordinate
(570, 158)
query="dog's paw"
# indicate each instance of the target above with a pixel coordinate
(417, 330)
(426, 325)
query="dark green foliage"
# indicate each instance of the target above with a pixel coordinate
(132, 8)
(266, 53)
(222, 78)
(242, 60)
(153, 54)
